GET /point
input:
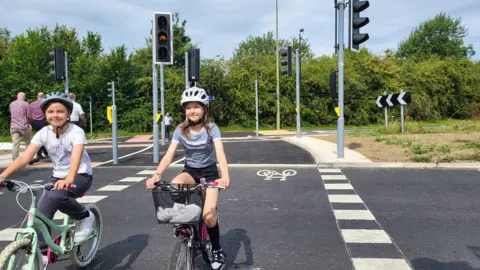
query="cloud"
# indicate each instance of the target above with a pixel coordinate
(220, 25)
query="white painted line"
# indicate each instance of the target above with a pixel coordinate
(132, 179)
(113, 188)
(38, 181)
(345, 199)
(147, 172)
(9, 234)
(178, 160)
(334, 177)
(131, 154)
(366, 236)
(380, 264)
(249, 140)
(91, 199)
(329, 170)
(59, 215)
(338, 186)
(353, 214)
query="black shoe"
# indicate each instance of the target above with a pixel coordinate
(218, 260)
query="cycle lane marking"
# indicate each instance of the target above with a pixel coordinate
(368, 245)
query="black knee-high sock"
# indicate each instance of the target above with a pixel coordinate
(214, 234)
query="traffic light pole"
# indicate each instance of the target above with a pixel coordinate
(187, 85)
(298, 90)
(162, 90)
(66, 73)
(341, 120)
(256, 107)
(278, 72)
(155, 112)
(114, 125)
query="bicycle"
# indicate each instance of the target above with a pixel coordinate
(64, 243)
(191, 237)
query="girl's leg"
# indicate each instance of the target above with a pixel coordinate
(183, 178)
(210, 219)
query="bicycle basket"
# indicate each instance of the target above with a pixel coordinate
(177, 205)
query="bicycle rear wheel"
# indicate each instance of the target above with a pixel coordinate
(16, 248)
(182, 257)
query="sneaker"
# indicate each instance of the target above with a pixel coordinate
(218, 260)
(85, 228)
(45, 261)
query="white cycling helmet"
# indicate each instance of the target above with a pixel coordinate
(194, 94)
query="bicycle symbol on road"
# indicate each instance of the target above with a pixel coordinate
(270, 174)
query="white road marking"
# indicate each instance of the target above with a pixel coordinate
(113, 188)
(9, 234)
(334, 177)
(353, 214)
(334, 198)
(91, 199)
(330, 170)
(179, 160)
(132, 179)
(131, 154)
(147, 172)
(380, 264)
(365, 236)
(338, 186)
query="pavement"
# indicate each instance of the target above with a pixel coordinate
(282, 210)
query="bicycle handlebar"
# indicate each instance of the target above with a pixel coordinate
(14, 186)
(212, 184)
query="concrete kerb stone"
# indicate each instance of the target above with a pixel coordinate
(400, 165)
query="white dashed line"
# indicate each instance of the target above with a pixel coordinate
(9, 234)
(132, 179)
(113, 188)
(368, 238)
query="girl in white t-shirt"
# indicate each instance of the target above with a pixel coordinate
(65, 144)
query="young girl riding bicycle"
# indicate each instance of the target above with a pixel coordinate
(65, 144)
(199, 138)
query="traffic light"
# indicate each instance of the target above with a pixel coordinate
(333, 85)
(162, 38)
(356, 22)
(288, 61)
(57, 64)
(193, 65)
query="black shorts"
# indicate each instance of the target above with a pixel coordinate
(210, 173)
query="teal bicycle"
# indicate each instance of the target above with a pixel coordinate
(26, 241)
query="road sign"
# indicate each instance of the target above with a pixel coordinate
(391, 100)
(211, 97)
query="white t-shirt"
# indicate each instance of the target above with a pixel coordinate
(60, 150)
(76, 112)
(168, 120)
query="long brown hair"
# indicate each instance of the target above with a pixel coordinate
(185, 125)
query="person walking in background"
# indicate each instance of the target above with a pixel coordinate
(19, 124)
(168, 125)
(78, 116)
(38, 122)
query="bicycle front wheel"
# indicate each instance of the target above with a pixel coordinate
(182, 256)
(16, 256)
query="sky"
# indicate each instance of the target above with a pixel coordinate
(218, 26)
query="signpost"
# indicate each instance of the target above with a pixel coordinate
(391, 100)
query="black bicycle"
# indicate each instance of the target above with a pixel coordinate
(182, 206)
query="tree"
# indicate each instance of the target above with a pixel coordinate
(441, 35)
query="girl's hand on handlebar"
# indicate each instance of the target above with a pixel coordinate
(223, 182)
(150, 183)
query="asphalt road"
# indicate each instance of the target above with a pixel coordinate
(288, 217)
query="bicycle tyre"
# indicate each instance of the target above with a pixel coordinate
(181, 246)
(15, 246)
(74, 258)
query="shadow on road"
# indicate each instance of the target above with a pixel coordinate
(431, 264)
(231, 243)
(112, 256)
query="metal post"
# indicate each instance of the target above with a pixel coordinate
(256, 106)
(162, 104)
(401, 113)
(91, 116)
(114, 126)
(298, 91)
(341, 121)
(186, 71)
(336, 27)
(155, 112)
(66, 72)
(386, 113)
(278, 73)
